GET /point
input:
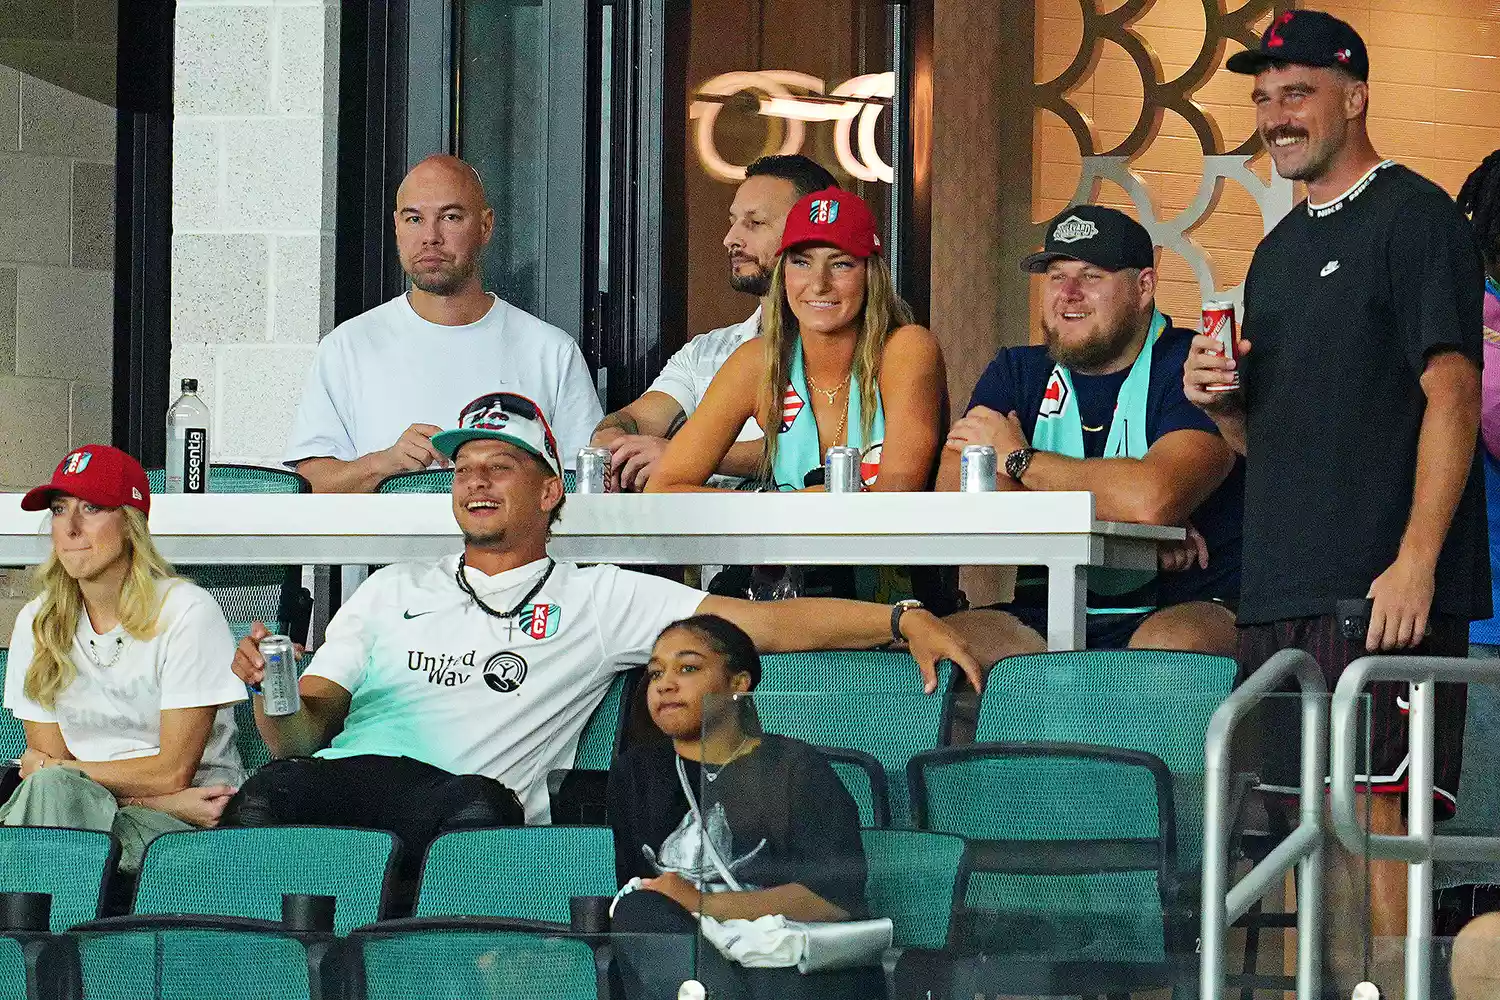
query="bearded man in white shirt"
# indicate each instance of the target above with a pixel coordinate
(445, 692)
(637, 433)
(385, 381)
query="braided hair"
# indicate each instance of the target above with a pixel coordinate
(1479, 199)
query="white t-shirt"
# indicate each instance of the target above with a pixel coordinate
(112, 710)
(436, 679)
(386, 369)
(687, 375)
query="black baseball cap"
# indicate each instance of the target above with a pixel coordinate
(1105, 237)
(1306, 38)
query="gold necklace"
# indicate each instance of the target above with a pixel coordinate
(831, 394)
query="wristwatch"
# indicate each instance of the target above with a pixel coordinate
(1017, 462)
(897, 610)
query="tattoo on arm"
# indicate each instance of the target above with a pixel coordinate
(620, 420)
(676, 424)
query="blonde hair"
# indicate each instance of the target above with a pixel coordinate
(56, 623)
(884, 312)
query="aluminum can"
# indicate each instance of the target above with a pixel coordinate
(593, 471)
(841, 472)
(279, 687)
(978, 466)
(1219, 323)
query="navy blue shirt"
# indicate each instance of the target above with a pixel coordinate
(1015, 381)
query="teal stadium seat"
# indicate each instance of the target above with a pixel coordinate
(245, 872)
(457, 961)
(441, 481)
(247, 594)
(12, 733)
(1153, 701)
(916, 878)
(188, 963)
(1071, 862)
(843, 700)
(528, 873)
(72, 866)
(597, 744)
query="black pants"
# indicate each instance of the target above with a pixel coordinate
(653, 968)
(413, 800)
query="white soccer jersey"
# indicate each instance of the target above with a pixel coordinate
(435, 678)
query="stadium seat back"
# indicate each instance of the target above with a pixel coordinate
(190, 964)
(528, 872)
(1154, 701)
(72, 866)
(1071, 846)
(12, 733)
(441, 481)
(867, 782)
(601, 736)
(12, 970)
(916, 879)
(477, 963)
(245, 872)
(870, 701)
(240, 479)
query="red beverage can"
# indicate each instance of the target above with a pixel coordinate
(1219, 323)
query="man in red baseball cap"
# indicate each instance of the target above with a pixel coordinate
(99, 474)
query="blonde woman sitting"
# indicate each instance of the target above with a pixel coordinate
(119, 671)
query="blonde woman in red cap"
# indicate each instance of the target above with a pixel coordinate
(839, 362)
(117, 671)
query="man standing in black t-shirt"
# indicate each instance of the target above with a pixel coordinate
(1358, 411)
(1100, 408)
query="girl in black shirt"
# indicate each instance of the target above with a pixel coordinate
(781, 821)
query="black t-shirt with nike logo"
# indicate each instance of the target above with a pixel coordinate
(1344, 304)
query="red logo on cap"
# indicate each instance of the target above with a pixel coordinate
(76, 463)
(1343, 55)
(1275, 40)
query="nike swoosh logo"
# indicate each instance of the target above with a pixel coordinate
(419, 614)
(1329, 268)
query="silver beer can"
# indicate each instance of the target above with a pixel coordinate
(978, 465)
(841, 470)
(592, 470)
(279, 687)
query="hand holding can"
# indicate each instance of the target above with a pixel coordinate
(1219, 324)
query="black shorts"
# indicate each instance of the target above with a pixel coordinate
(1100, 631)
(1389, 756)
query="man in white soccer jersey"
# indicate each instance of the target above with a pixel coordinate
(445, 692)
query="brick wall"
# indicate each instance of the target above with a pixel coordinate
(1434, 82)
(56, 260)
(254, 150)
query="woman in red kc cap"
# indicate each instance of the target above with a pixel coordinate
(839, 362)
(119, 670)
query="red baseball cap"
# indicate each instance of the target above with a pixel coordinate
(98, 474)
(832, 217)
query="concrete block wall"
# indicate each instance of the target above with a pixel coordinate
(56, 284)
(254, 157)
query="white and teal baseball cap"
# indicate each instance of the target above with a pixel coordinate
(503, 416)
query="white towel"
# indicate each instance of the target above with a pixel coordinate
(768, 942)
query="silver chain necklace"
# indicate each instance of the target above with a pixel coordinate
(92, 651)
(714, 775)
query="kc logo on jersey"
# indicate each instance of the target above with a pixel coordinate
(77, 462)
(824, 211)
(505, 672)
(791, 405)
(1055, 399)
(540, 621)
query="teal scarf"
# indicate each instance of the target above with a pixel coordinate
(1059, 430)
(797, 449)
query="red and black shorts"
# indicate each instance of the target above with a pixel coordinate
(1389, 756)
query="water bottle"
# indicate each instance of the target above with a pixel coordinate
(187, 442)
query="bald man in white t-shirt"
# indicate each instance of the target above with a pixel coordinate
(385, 381)
(445, 692)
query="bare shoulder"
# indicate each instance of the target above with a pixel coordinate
(912, 343)
(746, 365)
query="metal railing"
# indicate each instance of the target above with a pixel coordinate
(1419, 847)
(1223, 905)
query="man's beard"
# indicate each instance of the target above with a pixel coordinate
(1099, 352)
(757, 284)
(1319, 157)
(446, 280)
(487, 540)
